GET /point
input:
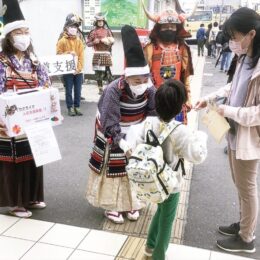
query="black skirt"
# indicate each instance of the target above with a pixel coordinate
(20, 183)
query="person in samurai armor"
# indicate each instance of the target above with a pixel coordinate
(124, 102)
(167, 54)
(21, 182)
(101, 39)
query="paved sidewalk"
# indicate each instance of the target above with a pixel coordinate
(29, 239)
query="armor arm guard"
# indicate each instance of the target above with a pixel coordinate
(91, 38)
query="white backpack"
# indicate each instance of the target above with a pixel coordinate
(150, 176)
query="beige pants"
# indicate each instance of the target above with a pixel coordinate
(244, 174)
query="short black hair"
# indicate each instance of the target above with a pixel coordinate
(202, 25)
(169, 99)
(215, 24)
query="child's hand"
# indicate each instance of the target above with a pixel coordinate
(188, 106)
(128, 153)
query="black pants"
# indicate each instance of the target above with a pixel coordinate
(201, 44)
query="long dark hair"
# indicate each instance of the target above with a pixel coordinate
(243, 21)
(9, 49)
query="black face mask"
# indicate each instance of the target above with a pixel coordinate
(167, 36)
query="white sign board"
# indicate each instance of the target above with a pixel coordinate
(21, 109)
(60, 64)
(43, 143)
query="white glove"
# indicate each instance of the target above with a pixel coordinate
(124, 145)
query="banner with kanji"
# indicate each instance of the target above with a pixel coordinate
(60, 64)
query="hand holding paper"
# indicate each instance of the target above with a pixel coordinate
(216, 124)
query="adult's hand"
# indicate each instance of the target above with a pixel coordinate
(221, 109)
(200, 105)
(96, 41)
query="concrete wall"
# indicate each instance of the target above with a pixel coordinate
(46, 19)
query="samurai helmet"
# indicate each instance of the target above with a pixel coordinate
(73, 19)
(175, 14)
(100, 16)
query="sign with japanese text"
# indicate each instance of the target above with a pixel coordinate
(118, 13)
(21, 109)
(59, 64)
(43, 143)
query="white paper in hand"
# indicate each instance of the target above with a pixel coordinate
(216, 124)
(43, 143)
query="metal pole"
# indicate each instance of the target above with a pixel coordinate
(221, 10)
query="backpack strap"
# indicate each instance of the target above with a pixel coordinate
(147, 128)
(180, 163)
(169, 128)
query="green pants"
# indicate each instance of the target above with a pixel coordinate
(160, 229)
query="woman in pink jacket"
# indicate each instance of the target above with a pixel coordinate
(242, 110)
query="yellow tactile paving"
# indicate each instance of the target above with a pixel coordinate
(140, 227)
(133, 249)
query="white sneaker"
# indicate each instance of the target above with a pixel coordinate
(133, 215)
(114, 216)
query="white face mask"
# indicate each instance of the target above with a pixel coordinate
(72, 31)
(21, 42)
(138, 90)
(237, 48)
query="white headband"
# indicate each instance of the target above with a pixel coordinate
(13, 26)
(134, 71)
